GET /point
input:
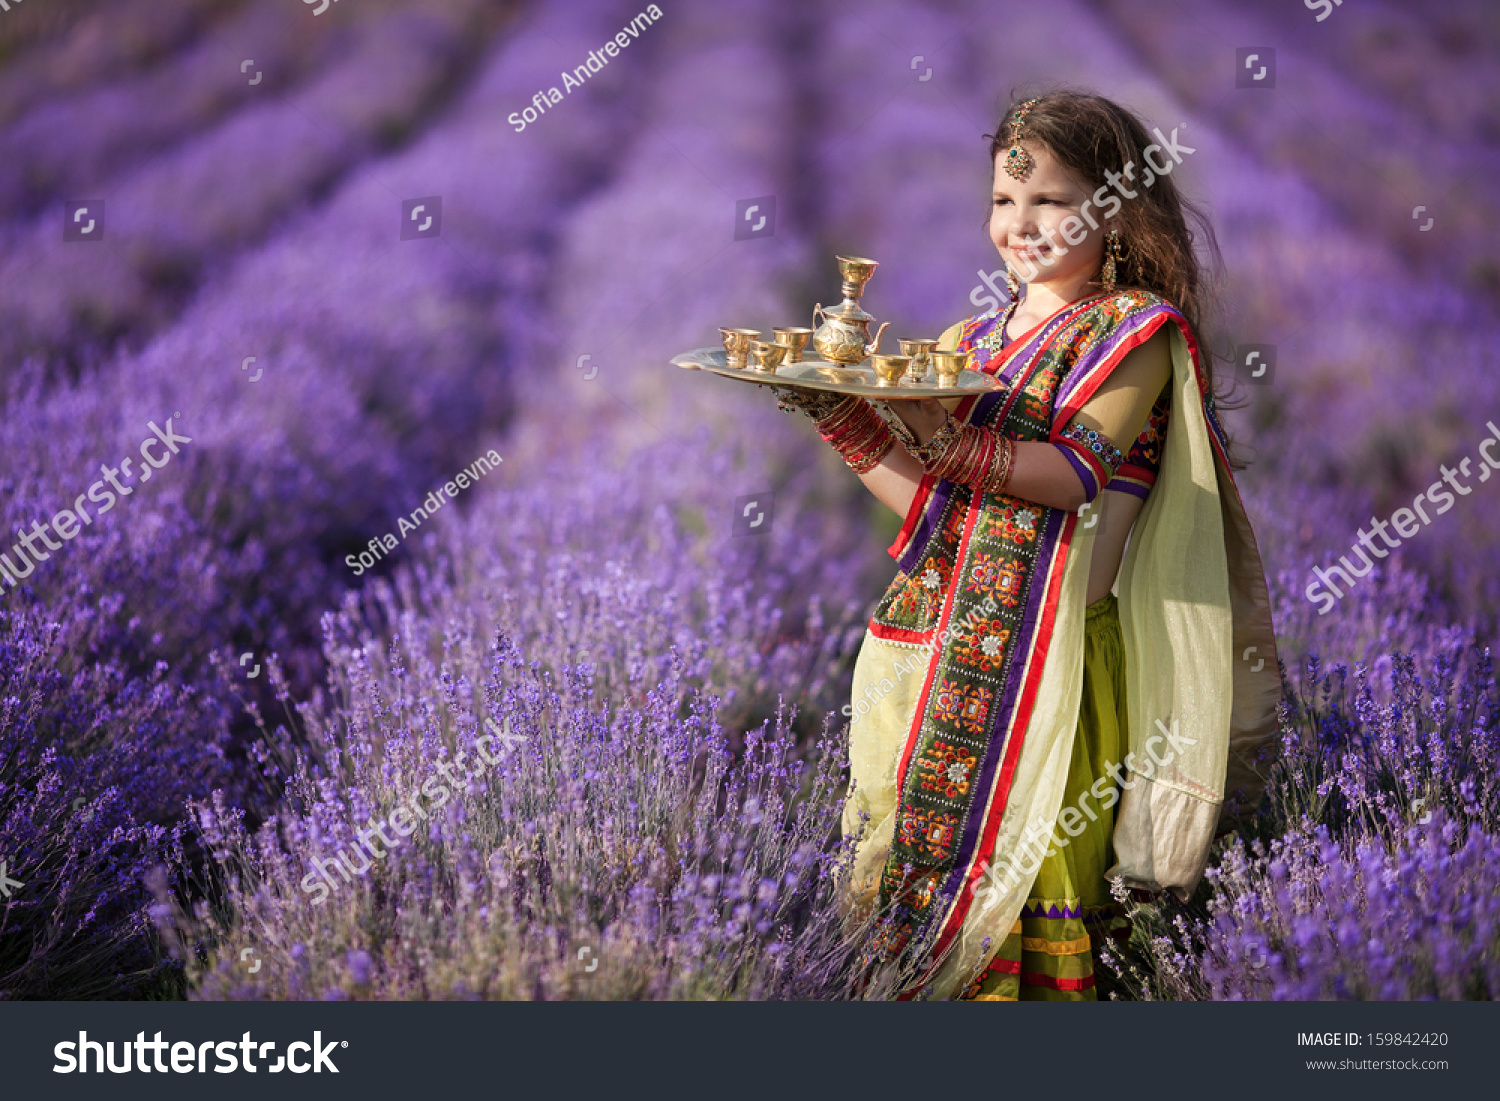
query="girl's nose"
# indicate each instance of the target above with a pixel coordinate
(1023, 223)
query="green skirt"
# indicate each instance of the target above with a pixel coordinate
(1049, 954)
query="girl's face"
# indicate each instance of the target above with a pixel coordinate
(1028, 220)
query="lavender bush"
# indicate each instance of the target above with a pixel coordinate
(620, 851)
(90, 757)
(1371, 872)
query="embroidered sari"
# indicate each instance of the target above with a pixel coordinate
(989, 604)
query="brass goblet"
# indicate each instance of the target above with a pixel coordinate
(737, 343)
(921, 357)
(856, 272)
(766, 356)
(795, 340)
(948, 366)
(889, 369)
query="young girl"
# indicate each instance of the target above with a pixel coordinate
(1022, 736)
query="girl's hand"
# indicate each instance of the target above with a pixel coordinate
(923, 417)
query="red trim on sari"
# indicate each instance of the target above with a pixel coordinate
(913, 514)
(1047, 981)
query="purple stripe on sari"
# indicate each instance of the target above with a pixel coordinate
(921, 535)
(1125, 485)
(1086, 473)
(1075, 379)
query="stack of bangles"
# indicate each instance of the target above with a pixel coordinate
(857, 432)
(967, 454)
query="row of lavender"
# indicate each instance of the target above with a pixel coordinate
(380, 362)
(592, 653)
(237, 547)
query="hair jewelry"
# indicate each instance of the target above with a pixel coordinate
(1018, 162)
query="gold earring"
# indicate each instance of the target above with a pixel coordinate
(1111, 256)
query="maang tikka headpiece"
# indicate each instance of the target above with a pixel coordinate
(1018, 162)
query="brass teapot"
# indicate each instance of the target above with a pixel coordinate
(844, 334)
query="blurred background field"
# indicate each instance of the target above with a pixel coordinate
(677, 679)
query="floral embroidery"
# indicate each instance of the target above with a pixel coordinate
(953, 525)
(982, 576)
(946, 768)
(933, 576)
(1002, 576)
(1146, 451)
(983, 647)
(918, 888)
(1041, 387)
(1013, 523)
(966, 706)
(929, 831)
(1009, 583)
(909, 600)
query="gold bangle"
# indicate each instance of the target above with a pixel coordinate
(1002, 466)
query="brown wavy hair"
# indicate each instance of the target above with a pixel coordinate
(1159, 229)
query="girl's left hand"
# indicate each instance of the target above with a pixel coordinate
(923, 417)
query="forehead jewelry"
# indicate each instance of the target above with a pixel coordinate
(1018, 162)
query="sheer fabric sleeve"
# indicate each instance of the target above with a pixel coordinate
(1112, 419)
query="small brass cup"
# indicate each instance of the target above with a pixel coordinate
(766, 356)
(948, 366)
(921, 358)
(737, 343)
(795, 340)
(889, 369)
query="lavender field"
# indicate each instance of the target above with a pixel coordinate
(208, 698)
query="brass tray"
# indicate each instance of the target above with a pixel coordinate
(836, 378)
